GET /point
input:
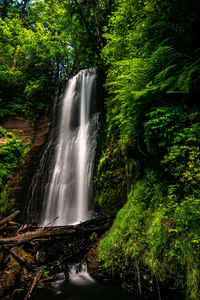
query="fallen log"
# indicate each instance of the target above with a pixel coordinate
(95, 225)
(9, 218)
(31, 235)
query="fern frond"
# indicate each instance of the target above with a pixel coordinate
(164, 74)
(160, 59)
(189, 78)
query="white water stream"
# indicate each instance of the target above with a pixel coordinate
(79, 275)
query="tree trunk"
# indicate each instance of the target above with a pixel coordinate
(85, 23)
(97, 23)
(23, 9)
(21, 18)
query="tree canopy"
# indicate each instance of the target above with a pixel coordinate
(44, 43)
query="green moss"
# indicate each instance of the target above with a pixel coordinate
(159, 234)
(6, 204)
(27, 257)
(113, 178)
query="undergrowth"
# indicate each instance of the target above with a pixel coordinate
(156, 234)
(12, 152)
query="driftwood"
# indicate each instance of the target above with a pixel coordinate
(25, 252)
(3, 227)
(9, 218)
(34, 282)
(98, 224)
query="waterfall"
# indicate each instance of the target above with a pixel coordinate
(67, 189)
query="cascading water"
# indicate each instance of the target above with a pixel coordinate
(81, 286)
(67, 190)
(78, 274)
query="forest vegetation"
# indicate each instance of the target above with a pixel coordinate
(147, 170)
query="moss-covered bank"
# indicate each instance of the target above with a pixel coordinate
(156, 234)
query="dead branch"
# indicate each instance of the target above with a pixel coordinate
(34, 283)
(9, 218)
(22, 257)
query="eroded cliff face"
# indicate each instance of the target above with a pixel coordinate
(26, 130)
(20, 145)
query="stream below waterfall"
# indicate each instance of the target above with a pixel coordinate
(80, 286)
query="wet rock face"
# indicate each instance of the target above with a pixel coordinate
(32, 159)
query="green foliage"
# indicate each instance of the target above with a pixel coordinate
(42, 45)
(158, 227)
(45, 273)
(93, 237)
(157, 232)
(113, 177)
(153, 80)
(172, 134)
(162, 126)
(12, 151)
(2, 131)
(145, 60)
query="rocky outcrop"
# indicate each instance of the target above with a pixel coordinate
(26, 130)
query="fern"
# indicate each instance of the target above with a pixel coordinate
(161, 59)
(164, 74)
(188, 78)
